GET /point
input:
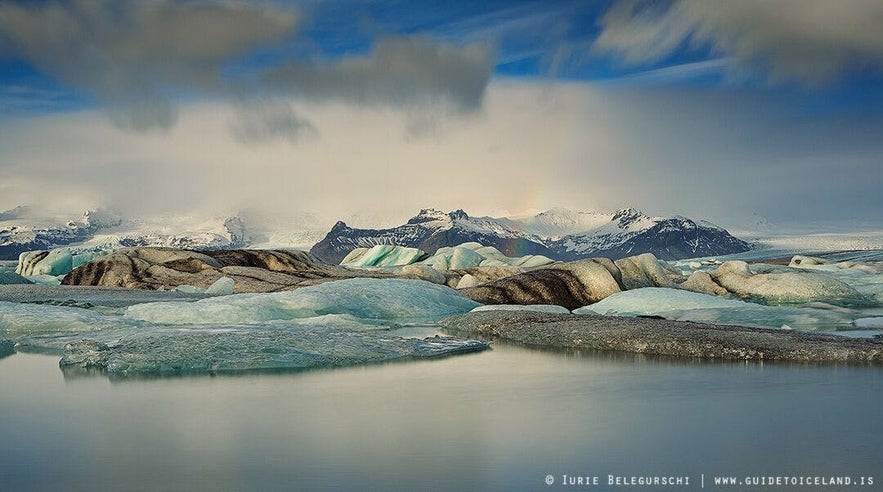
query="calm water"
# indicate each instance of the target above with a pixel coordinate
(499, 420)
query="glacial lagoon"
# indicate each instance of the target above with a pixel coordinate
(509, 418)
(497, 420)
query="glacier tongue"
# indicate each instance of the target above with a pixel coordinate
(201, 352)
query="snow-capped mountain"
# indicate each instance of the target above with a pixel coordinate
(105, 230)
(430, 230)
(558, 234)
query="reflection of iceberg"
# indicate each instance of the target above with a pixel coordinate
(211, 352)
(398, 300)
(690, 306)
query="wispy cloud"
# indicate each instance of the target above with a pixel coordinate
(809, 41)
(718, 67)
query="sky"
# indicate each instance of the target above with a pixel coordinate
(736, 112)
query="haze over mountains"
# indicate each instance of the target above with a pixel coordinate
(558, 233)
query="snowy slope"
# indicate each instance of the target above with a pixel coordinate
(558, 233)
(104, 230)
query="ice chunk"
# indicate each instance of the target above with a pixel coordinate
(54, 262)
(542, 308)
(803, 261)
(211, 352)
(782, 287)
(83, 258)
(467, 280)
(397, 300)
(49, 327)
(382, 255)
(12, 278)
(656, 300)
(456, 258)
(690, 306)
(875, 323)
(222, 287)
(189, 289)
(45, 279)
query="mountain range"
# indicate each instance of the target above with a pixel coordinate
(558, 234)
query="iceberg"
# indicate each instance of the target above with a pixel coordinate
(382, 255)
(125, 347)
(875, 323)
(473, 255)
(454, 258)
(395, 300)
(53, 262)
(681, 305)
(783, 287)
(12, 278)
(230, 351)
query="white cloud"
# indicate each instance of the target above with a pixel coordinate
(717, 155)
(809, 41)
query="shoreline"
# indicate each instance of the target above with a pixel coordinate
(665, 338)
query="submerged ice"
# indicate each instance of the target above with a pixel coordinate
(211, 352)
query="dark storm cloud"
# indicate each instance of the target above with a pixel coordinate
(138, 58)
(399, 71)
(131, 55)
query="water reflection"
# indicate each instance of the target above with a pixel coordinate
(502, 419)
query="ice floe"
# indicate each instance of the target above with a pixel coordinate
(195, 352)
(690, 306)
(397, 300)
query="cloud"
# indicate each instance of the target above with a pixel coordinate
(399, 71)
(271, 120)
(808, 41)
(710, 153)
(133, 56)
(139, 60)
